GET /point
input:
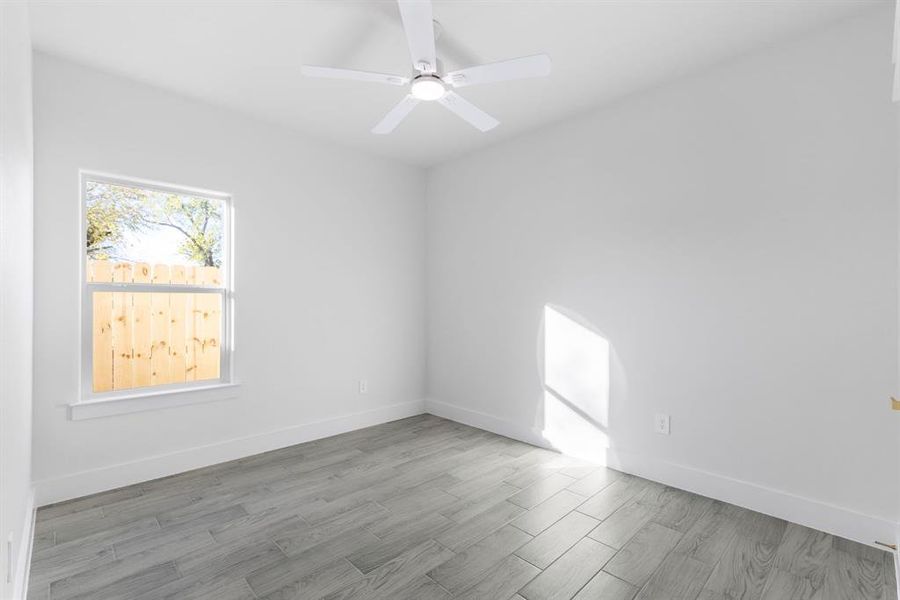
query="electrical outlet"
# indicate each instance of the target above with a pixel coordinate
(363, 386)
(661, 424)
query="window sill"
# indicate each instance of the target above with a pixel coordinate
(151, 400)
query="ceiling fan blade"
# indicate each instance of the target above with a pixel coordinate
(396, 115)
(419, 26)
(468, 111)
(332, 73)
(505, 70)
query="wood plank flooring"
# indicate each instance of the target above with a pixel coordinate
(425, 508)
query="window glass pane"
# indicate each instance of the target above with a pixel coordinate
(110, 271)
(154, 231)
(144, 339)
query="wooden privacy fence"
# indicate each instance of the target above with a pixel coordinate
(153, 338)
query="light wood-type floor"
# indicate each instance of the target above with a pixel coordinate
(422, 509)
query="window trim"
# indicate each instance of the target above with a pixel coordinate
(89, 403)
(154, 400)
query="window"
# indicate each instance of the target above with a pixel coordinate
(155, 288)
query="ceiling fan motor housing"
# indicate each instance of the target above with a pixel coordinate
(427, 87)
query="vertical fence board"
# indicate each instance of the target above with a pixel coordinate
(178, 340)
(102, 341)
(190, 327)
(207, 320)
(121, 330)
(211, 276)
(141, 328)
(161, 274)
(190, 339)
(160, 358)
(100, 271)
(161, 324)
(140, 273)
(176, 274)
(102, 309)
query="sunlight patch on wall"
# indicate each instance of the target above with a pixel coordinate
(576, 387)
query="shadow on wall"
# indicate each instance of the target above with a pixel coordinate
(575, 360)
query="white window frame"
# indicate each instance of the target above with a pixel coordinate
(93, 404)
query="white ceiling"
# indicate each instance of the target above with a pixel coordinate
(247, 55)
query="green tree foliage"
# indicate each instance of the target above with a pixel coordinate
(113, 211)
(198, 220)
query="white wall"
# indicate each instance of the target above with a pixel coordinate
(734, 236)
(16, 498)
(329, 280)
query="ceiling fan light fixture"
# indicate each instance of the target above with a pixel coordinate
(428, 87)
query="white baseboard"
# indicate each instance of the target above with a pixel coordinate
(485, 421)
(897, 560)
(111, 477)
(837, 520)
(826, 517)
(23, 556)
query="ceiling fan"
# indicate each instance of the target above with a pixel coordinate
(427, 82)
